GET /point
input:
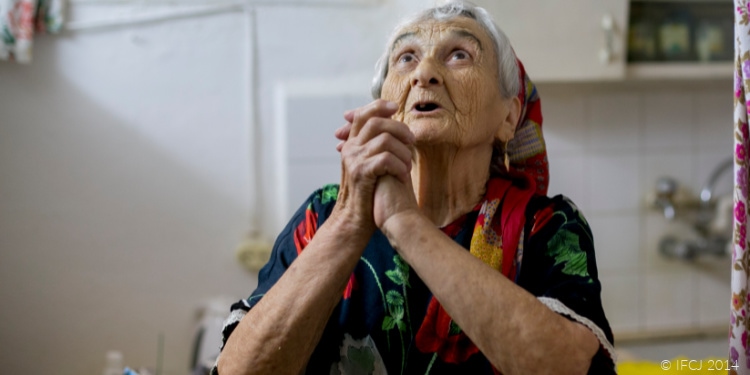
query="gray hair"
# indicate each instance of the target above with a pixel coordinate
(506, 58)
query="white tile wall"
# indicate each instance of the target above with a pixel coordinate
(655, 228)
(607, 146)
(615, 237)
(671, 300)
(613, 181)
(668, 120)
(713, 297)
(565, 116)
(574, 186)
(613, 124)
(621, 301)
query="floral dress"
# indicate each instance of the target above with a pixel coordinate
(384, 323)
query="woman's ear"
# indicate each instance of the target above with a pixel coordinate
(508, 127)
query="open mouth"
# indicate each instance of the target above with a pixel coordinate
(426, 107)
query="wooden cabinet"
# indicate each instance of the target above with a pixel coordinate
(566, 40)
(585, 40)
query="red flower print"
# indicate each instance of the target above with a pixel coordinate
(351, 285)
(541, 219)
(740, 152)
(306, 230)
(737, 85)
(438, 335)
(740, 213)
(742, 181)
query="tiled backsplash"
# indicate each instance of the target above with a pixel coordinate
(607, 146)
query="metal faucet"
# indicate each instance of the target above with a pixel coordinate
(707, 243)
(708, 190)
(666, 187)
(706, 214)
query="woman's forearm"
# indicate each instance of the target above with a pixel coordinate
(516, 332)
(278, 335)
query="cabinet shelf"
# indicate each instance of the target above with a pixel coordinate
(679, 71)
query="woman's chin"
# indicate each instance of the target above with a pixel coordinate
(431, 131)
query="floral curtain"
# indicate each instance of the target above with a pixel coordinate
(739, 350)
(19, 19)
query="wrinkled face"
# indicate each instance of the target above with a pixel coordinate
(444, 77)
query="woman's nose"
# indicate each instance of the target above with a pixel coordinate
(426, 74)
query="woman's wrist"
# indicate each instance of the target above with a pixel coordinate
(352, 222)
(404, 226)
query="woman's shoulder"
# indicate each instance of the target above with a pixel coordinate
(324, 196)
(318, 205)
(548, 215)
(557, 203)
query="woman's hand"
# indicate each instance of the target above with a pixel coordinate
(392, 197)
(373, 146)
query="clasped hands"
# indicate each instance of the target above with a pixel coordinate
(376, 162)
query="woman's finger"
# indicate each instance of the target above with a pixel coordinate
(342, 133)
(377, 126)
(377, 108)
(387, 164)
(386, 142)
(349, 115)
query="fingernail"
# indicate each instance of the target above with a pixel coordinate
(349, 112)
(391, 105)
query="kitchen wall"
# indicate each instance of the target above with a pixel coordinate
(125, 163)
(607, 146)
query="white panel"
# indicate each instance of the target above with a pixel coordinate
(311, 123)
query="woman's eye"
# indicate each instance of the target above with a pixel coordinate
(406, 58)
(459, 55)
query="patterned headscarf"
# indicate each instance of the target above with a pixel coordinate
(527, 150)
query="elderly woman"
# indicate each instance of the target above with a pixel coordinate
(374, 276)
